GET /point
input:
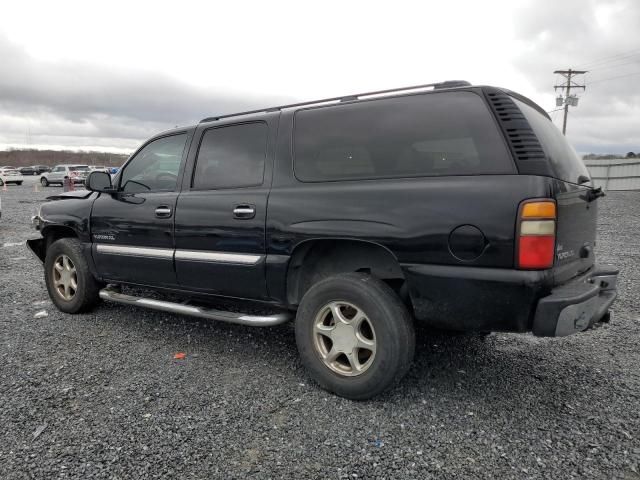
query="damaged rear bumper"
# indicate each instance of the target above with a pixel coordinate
(577, 305)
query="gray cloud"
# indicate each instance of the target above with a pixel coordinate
(580, 34)
(78, 103)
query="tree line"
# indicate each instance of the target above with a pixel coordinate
(26, 157)
(610, 156)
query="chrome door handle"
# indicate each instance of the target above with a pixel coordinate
(244, 211)
(163, 212)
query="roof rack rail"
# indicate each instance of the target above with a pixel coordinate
(346, 98)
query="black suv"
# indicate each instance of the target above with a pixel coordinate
(456, 205)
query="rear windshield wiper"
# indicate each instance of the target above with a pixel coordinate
(593, 193)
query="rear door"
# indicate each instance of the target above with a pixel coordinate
(577, 207)
(221, 212)
(132, 230)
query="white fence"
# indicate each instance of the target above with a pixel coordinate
(615, 174)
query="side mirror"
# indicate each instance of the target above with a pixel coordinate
(99, 182)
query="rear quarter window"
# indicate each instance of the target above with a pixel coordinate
(418, 135)
(564, 161)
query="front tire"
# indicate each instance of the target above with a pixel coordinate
(354, 335)
(71, 286)
(44, 182)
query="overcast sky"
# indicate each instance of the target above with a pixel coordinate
(82, 76)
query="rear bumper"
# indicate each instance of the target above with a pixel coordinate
(462, 298)
(577, 305)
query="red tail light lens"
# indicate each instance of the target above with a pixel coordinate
(536, 234)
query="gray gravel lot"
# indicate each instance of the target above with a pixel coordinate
(115, 404)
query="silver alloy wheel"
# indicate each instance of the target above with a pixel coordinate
(344, 338)
(65, 277)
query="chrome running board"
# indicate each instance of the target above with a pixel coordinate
(201, 312)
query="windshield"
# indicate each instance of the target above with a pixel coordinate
(564, 160)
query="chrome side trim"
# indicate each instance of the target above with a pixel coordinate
(188, 255)
(222, 257)
(195, 311)
(135, 251)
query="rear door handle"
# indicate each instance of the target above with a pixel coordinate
(163, 211)
(244, 212)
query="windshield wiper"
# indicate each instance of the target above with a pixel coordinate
(593, 194)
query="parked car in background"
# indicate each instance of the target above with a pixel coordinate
(94, 168)
(28, 171)
(41, 169)
(10, 175)
(114, 170)
(77, 173)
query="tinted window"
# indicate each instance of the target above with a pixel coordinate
(155, 167)
(564, 160)
(231, 157)
(78, 168)
(417, 135)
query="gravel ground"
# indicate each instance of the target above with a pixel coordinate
(100, 395)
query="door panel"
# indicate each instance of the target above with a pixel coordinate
(130, 242)
(217, 252)
(132, 229)
(221, 212)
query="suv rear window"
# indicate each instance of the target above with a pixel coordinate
(565, 162)
(417, 135)
(78, 168)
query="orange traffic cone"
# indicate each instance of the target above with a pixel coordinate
(4, 186)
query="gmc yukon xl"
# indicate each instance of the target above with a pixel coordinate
(459, 206)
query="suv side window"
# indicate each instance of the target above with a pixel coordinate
(410, 136)
(155, 168)
(231, 157)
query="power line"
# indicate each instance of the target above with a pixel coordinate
(613, 78)
(610, 58)
(568, 99)
(616, 65)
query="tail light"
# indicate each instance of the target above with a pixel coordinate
(536, 234)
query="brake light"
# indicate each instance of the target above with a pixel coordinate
(536, 234)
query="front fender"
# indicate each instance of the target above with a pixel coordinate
(38, 247)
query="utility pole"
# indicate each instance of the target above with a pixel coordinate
(567, 86)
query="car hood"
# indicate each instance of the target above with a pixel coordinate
(69, 195)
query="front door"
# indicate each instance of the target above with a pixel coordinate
(221, 212)
(132, 230)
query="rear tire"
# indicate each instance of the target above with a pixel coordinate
(71, 286)
(44, 182)
(18, 183)
(354, 335)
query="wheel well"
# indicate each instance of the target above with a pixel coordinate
(51, 234)
(316, 259)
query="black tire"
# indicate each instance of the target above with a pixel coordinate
(389, 319)
(87, 292)
(18, 183)
(44, 182)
